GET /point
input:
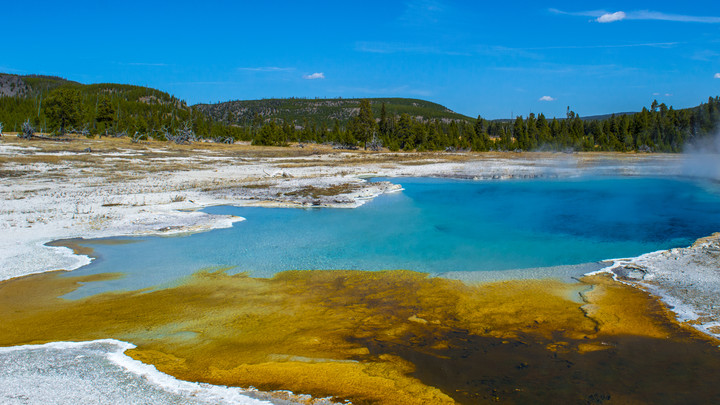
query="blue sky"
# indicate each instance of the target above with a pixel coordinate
(496, 59)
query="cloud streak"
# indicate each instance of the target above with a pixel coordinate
(388, 91)
(145, 64)
(654, 15)
(423, 13)
(603, 16)
(314, 76)
(267, 69)
(390, 48)
(546, 98)
(611, 17)
(646, 44)
(717, 75)
(597, 71)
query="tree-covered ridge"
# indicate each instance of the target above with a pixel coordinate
(28, 85)
(658, 129)
(303, 112)
(104, 108)
(55, 105)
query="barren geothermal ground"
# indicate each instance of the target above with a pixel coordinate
(642, 330)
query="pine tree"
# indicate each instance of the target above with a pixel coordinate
(63, 108)
(105, 113)
(403, 132)
(532, 132)
(520, 134)
(383, 124)
(365, 125)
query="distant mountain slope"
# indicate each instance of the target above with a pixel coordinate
(602, 117)
(135, 108)
(33, 85)
(322, 111)
(29, 85)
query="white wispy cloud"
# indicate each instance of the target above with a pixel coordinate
(655, 15)
(705, 55)
(591, 13)
(546, 98)
(385, 91)
(314, 76)
(423, 12)
(595, 71)
(145, 64)
(604, 16)
(388, 47)
(717, 75)
(267, 69)
(526, 52)
(397, 47)
(204, 83)
(611, 17)
(600, 46)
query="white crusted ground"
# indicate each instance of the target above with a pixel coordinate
(687, 279)
(50, 191)
(99, 372)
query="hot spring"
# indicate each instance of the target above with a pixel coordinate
(438, 226)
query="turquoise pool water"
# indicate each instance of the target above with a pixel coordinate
(434, 226)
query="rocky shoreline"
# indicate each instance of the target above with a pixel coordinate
(687, 280)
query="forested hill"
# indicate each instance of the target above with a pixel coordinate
(46, 104)
(323, 112)
(25, 86)
(92, 108)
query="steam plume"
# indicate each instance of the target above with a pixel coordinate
(702, 158)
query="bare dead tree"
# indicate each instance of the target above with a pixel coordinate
(375, 143)
(137, 137)
(119, 134)
(182, 136)
(158, 134)
(463, 150)
(85, 130)
(28, 131)
(224, 139)
(165, 133)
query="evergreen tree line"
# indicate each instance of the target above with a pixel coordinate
(110, 109)
(659, 129)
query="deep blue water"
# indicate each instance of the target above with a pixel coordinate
(435, 226)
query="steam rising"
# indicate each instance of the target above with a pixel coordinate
(702, 158)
